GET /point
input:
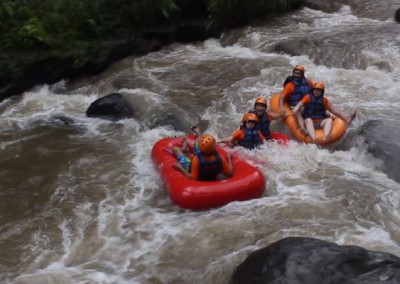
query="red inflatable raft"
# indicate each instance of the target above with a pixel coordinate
(280, 138)
(247, 182)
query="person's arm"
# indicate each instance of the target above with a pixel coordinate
(226, 140)
(195, 129)
(297, 107)
(194, 168)
(227, 167)
(274, 115)
(263, 140)
(287, 91)
(233, 138)
(304, 101)
(328, 113)
(334, 110)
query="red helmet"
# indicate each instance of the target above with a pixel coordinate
(250, 117)
(207, 144)
(260, 100)
(300, 68)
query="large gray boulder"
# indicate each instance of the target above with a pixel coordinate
(113, 106)
(142, 106)
(397, 15)
(297, 260)
(383, 140)
(323, 5)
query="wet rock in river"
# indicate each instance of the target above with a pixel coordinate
(383, 140)
(298, 260)
(397, 15)
(142, 106)
(113, 106)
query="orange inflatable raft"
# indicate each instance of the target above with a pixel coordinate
(339, 126)
(247, 182)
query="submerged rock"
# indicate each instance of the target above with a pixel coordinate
(298, 260)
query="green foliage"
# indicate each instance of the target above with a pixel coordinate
(7, 9)
(77, 28)
(82, 29)
(33, 32)
(38, 23)
(148, 11)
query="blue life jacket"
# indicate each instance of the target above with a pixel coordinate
(315, 108)
(263, 125)
(251, 138)
(302, 88)
(208, 170)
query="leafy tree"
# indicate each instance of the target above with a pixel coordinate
(34, 29)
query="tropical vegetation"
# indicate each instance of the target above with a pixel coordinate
(36, 29)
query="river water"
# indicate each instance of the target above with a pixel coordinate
(82, 203)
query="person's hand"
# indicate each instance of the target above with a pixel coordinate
(331, 115)
(177, 166)
(222, 142)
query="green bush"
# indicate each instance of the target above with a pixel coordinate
(81, 28)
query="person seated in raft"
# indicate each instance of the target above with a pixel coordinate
(264, 117)
(247, 135)
(185, 146)
(318, 112)
(206, 164)
(295, 88)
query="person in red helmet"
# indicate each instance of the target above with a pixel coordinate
(206, 164)
(319, 113)
(247, 135)
(295, 88)
(264, 117)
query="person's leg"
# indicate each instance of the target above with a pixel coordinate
(300, 121)
(183, 160)
(310, 128)
(177, 151)
(326, 124)
(185, 146)
(351, 117)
